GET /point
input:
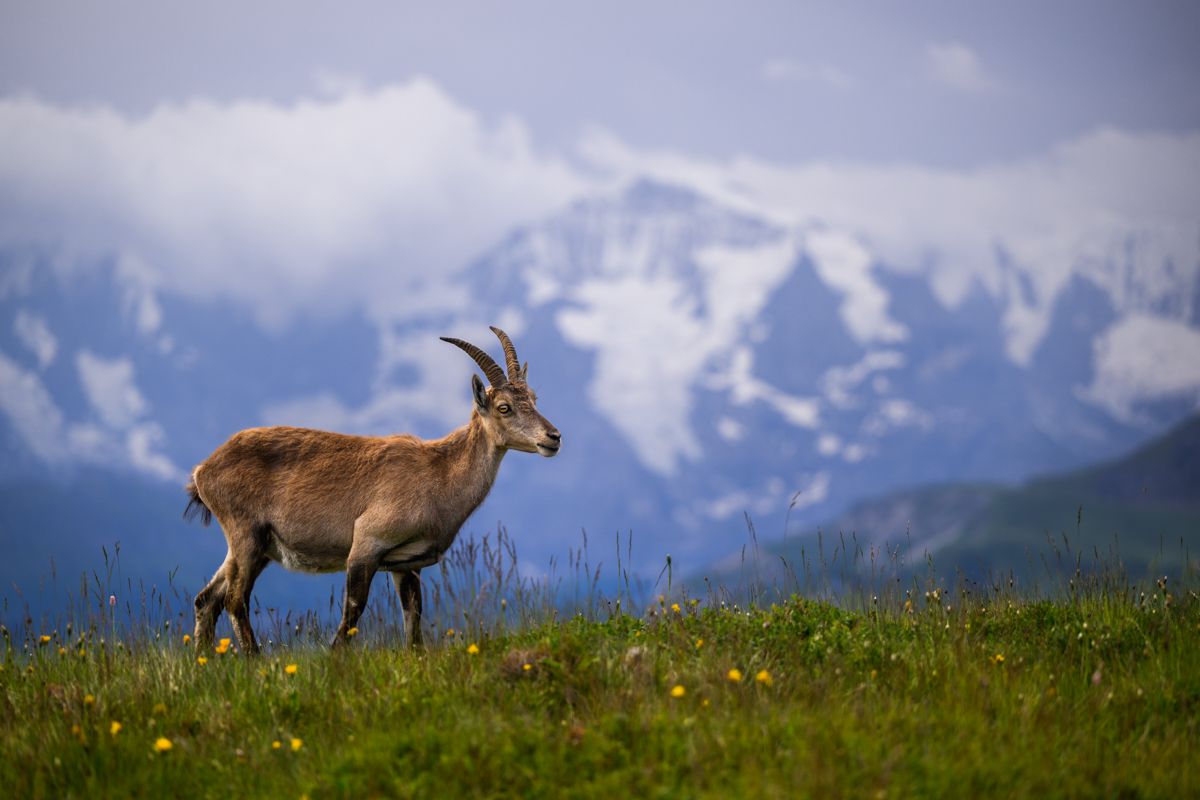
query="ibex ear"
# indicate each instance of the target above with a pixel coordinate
(525, 372)
(481, 398)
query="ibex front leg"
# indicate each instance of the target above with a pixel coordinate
(408, 585)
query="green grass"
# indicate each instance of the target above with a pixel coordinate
(1092, 695)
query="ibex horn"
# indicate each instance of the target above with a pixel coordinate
(495, 375)
(510, 355)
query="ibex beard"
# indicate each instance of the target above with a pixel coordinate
(316, 501)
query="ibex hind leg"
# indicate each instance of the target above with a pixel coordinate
(209, 602)
(358, 587)
(247, 559)
(408, 586)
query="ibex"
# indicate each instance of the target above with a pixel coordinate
(325, 502)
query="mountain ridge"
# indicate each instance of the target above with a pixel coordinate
(1127, 508)
(700, 360)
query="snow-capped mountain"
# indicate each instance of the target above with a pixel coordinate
(702, 360)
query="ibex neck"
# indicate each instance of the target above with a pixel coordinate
(472, 461)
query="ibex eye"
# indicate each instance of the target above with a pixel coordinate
(503, 408)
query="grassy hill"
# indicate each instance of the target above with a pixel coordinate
(1140, 512)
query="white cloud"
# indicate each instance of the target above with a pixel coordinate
(896, 413)
(34, 332)
(730, 429)
(838, 382)
(140, 442)
(110, 388)
(790, 70)
(955, 65)
(141, 302)
(318, 205)
(1144, 358)
(744, 387)
(41, 424)
(814, 488)
(854, 453)
(31, 410)
(829, 444)
(440, 394)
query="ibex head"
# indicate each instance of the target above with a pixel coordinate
(508, 407)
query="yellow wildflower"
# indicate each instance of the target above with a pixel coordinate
(734, 675)
(187, 639)
(764, 678)
(450, 633)
(45, 639)
(275, 745)
(998, 659)
(160, 708)
(675, 607)
(115, 728)
(162, 744)
(290, 669)
(297, 744)
(678, 691)
(62, 651)
(223, 646)
(201, 660)
(527, 667)
(699, 643)
(473, 648)
(89, 700)
(353, 631)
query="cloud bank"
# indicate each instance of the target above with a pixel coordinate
(370, 200)
(353, 200)
(315, 206)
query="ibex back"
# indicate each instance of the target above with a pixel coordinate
(325, 502)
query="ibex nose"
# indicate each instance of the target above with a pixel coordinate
(553, 435)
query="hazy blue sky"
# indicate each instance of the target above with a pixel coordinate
(938, 83)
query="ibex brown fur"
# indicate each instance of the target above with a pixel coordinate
(325, 502)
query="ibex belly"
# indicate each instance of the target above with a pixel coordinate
(305, 561)
(420, 552)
